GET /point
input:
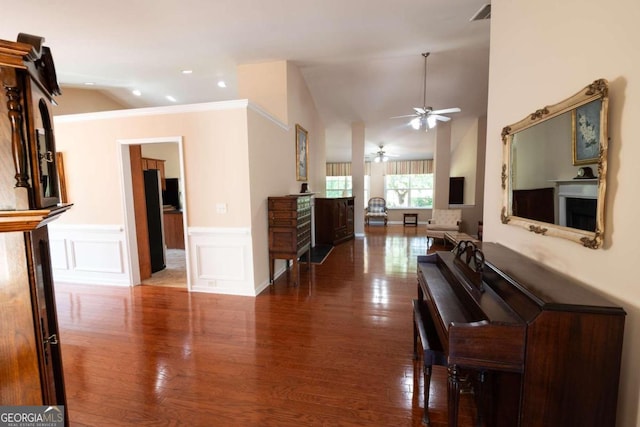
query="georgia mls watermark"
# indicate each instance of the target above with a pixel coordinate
(31, 416)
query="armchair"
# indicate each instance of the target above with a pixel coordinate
(376, 208)
(443, 220)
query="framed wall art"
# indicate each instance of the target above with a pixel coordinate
(586, 121)
(302, 154)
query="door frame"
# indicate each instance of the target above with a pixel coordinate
(131, 241)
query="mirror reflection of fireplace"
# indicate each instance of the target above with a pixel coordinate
(581, 213)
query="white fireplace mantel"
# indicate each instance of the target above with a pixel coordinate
(574, 188)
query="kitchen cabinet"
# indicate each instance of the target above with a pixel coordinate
(155, 164)
(173, 230)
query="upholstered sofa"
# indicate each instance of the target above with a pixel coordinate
(443, 220)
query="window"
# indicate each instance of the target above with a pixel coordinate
(409, 191)
(339, 186)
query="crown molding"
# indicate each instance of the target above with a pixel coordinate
(171, 109)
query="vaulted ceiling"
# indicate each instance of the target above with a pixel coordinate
(361, 59)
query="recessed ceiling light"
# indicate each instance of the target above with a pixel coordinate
(89, 83)
(136, 92)
(186, 71)
(221, 83)
(171, 98)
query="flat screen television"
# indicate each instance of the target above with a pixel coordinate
(171, 195)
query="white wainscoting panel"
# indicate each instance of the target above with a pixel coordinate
(221, 260)
(89, 254)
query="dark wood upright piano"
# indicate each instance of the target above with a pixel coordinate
(542, 349)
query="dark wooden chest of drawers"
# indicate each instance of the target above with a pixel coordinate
(289, 230)
(334, 219)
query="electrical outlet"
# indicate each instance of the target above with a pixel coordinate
(221, 208)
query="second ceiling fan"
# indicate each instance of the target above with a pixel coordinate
(425, 117)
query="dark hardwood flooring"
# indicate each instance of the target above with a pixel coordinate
(334, 351)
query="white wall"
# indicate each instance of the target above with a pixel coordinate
(544, 51)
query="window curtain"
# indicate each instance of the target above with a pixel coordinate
(339, 169)
(409, 167)
(400, 167)
(344, 169)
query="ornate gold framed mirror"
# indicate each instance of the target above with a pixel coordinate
(548, 184)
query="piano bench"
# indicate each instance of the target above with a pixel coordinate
(432, 349)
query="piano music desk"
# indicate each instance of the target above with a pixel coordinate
(455, 236)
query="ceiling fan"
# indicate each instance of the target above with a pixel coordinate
(426, 117)
(381, 155)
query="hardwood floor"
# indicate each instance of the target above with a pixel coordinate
(334, 351)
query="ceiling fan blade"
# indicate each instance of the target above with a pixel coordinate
(441, 118)
(402, 117)
(447, 111)
(420, 111)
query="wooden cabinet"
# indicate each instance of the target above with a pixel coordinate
(289, 231)
(334, 219)
(30, 360)
(155, 164)
(173, 230)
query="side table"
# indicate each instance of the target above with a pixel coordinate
(410, 219)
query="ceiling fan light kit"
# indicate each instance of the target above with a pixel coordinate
(381, 156)
(426, 117)
(426, 122)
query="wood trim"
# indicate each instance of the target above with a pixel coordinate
(140, 208)
(28, 220)
(62, 178)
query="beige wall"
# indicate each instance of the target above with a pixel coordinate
(280, 89)
(77, 100)
(233, 155)
(215, 151)
(265, 85)
(542, 154)
(544, 51)
(464, 151)
(302, 111)
(167, 152)
(272, 164)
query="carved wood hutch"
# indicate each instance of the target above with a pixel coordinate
(30, 356)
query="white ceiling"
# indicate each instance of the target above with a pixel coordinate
(361, 59)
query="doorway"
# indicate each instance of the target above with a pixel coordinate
(177, 272)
